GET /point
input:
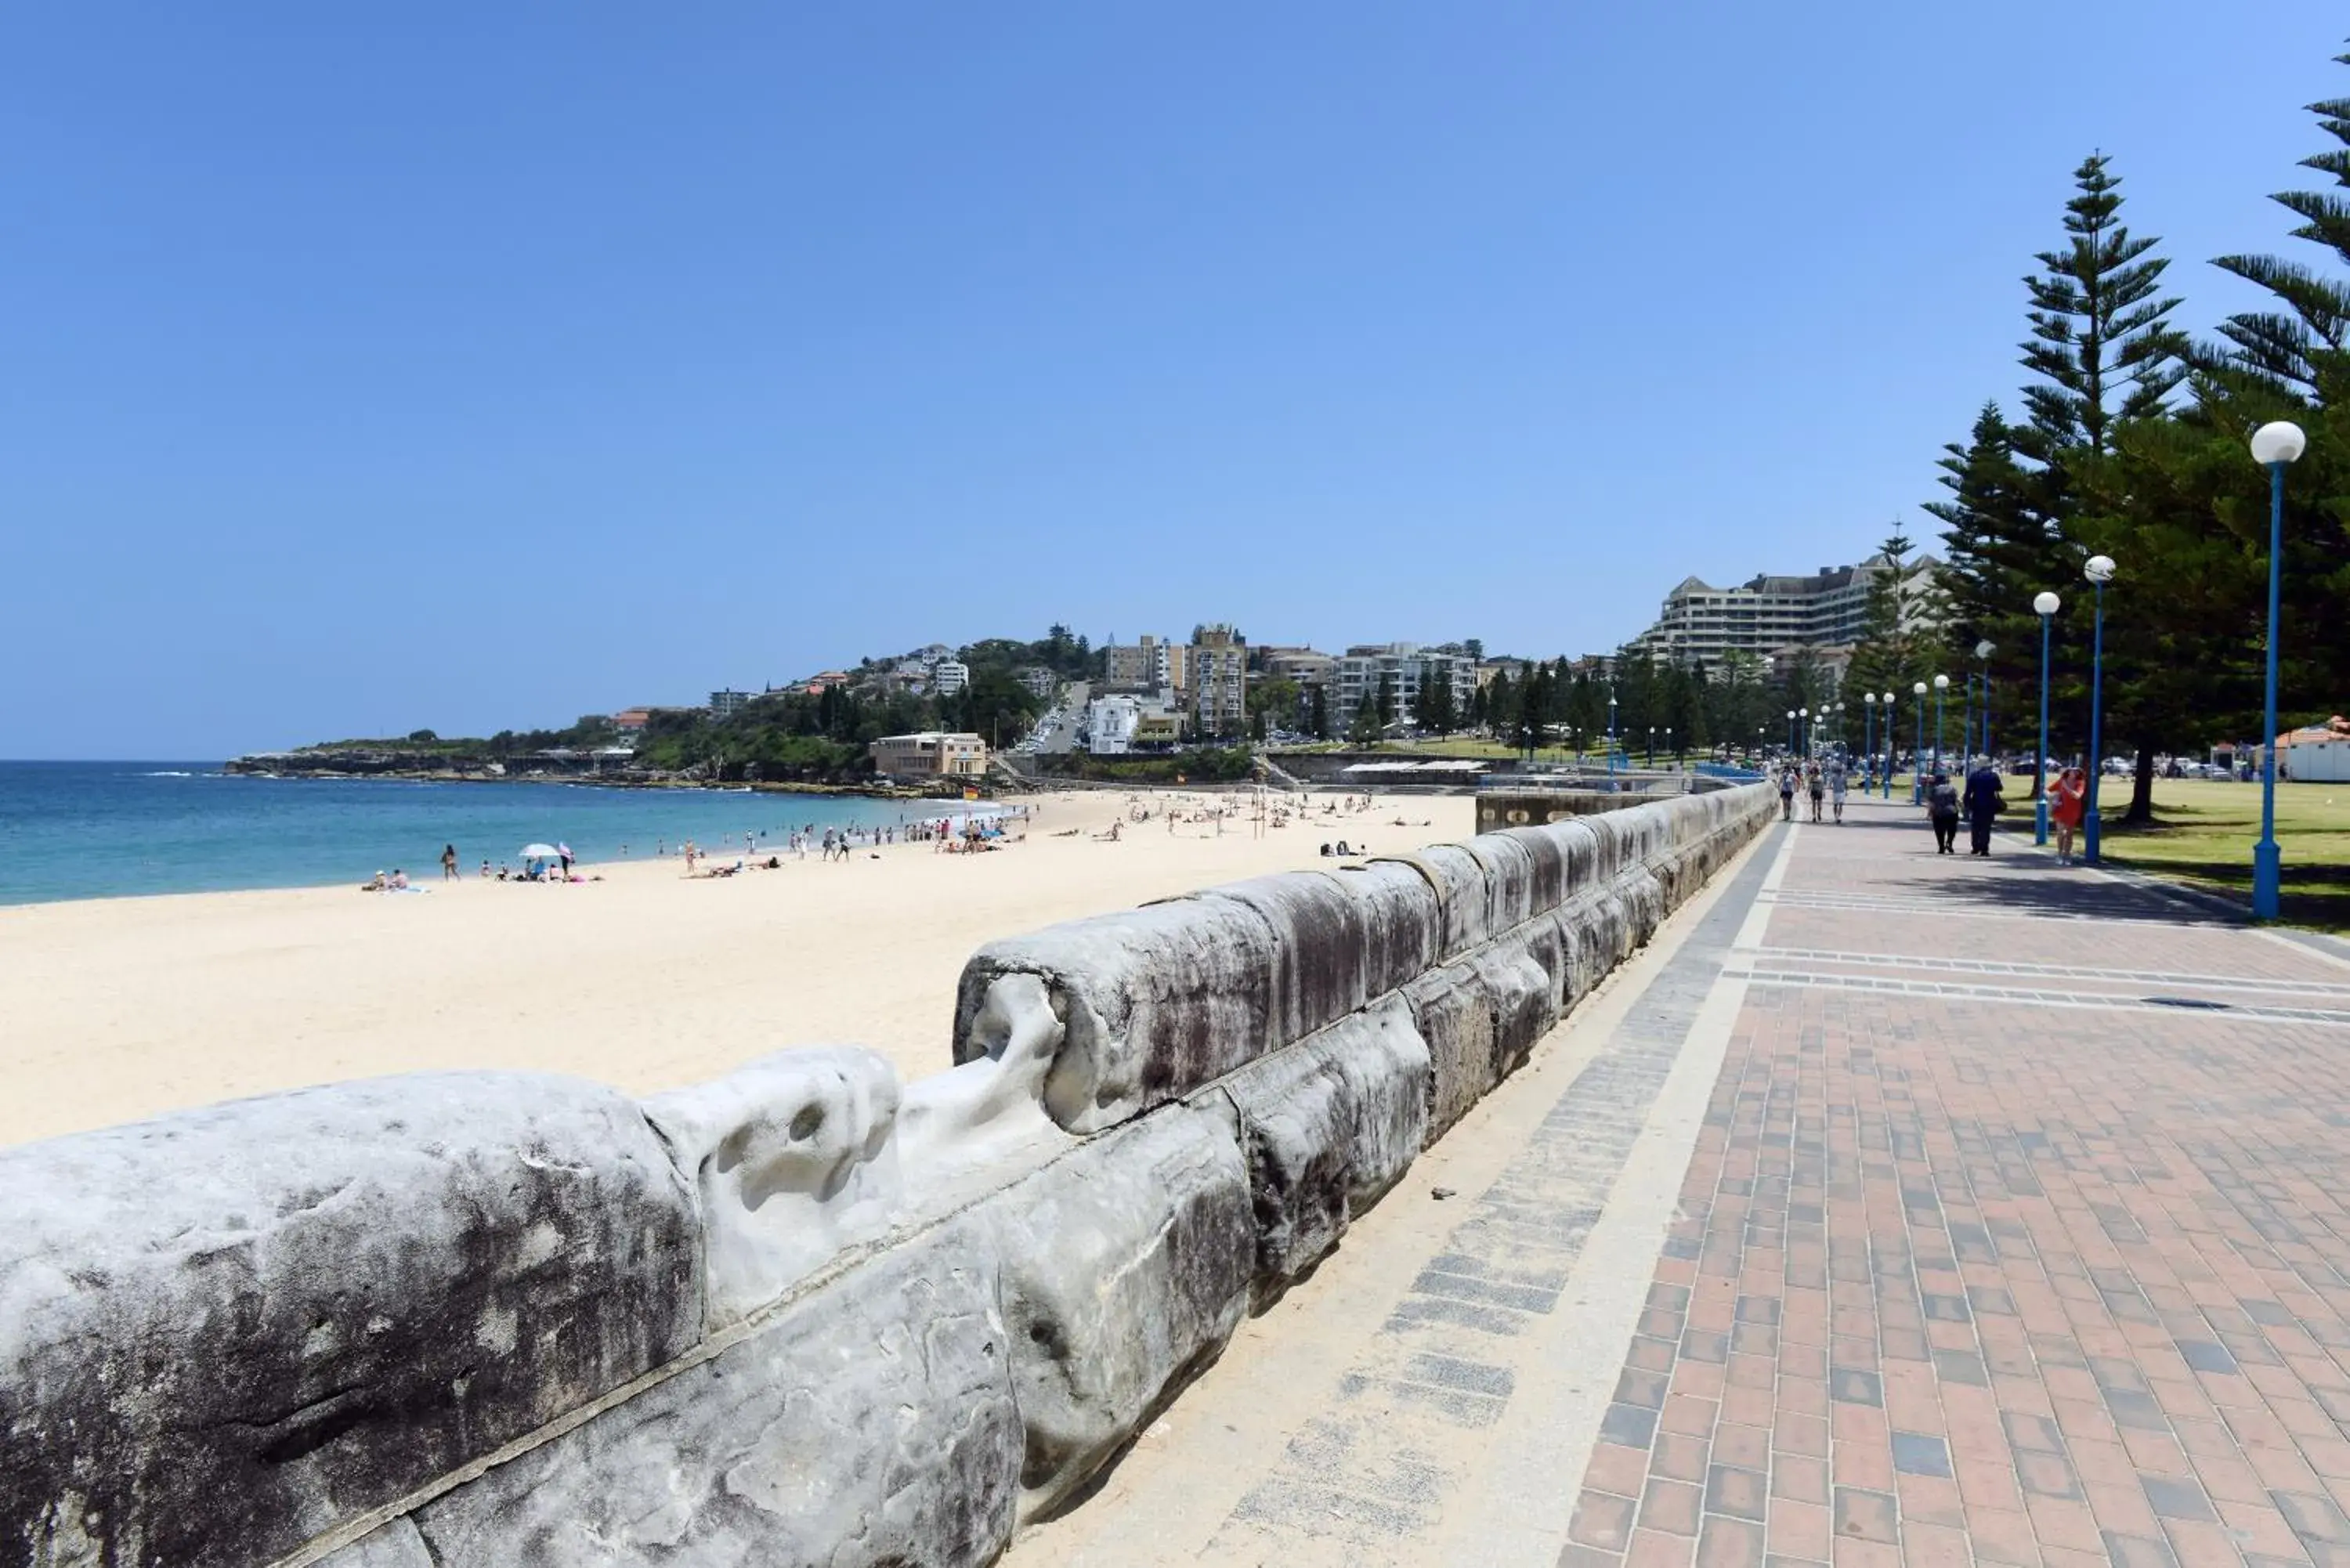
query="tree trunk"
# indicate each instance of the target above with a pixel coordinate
(2141, 806)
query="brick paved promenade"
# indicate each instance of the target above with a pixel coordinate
(2015, 1233)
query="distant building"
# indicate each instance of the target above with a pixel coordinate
(1770, 616)
(1368, 670)
(1218, 672)
(931, 753)
(632, 720)
(1145, 666)
(1110, 725)
(1040, 681)
(725, 704)
(949, 676)
(1303, 665)
(819, 684)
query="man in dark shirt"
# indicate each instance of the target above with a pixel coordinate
(1983, 803)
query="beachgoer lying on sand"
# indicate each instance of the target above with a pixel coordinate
(375, 884)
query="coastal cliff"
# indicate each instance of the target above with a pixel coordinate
(609, 769)
(440, 762)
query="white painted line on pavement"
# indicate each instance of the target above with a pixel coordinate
(1758, 916)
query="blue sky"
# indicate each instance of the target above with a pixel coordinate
(368, 369)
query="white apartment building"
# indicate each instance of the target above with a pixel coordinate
(1365, 669)
(1110, 724)
(1769, 615)
(725, 704)
(949, 676)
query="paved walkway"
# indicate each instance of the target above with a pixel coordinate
(2016, 1234)
(1889, 1208)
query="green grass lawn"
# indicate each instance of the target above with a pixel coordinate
(2203, 831)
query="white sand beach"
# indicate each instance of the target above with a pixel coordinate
(119, 1009)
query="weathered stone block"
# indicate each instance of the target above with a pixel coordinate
(792, 1160)
(1540, 939)
(966, 1131)
(1385, 1064)
(1452, 1014)
(223, 1332)
(1126, 1266)
(1403, 924)
(1328, 1125)
(1508, 868)
(1519, 993)
(393, 1545)
(1154, 1002)
(1644, 903)
(1459, 881)
(869, 1424)
(1321, 946)
(1546, 860)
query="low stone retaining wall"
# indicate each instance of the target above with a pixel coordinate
(802, 1314)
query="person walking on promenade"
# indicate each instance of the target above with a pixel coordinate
(1942, 811)
(1787, 792)
(1983, 804)
(2068, 798)
(1836, 786)
(1818, 788)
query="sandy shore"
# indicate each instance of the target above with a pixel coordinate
(118, 1009)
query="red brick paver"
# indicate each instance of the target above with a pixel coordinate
(1966, 1276)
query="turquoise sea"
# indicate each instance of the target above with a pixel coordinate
(94, 830)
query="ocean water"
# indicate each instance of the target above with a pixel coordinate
(96, 830)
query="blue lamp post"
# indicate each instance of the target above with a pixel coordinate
(1791, 730)
(1984, 651)
(1918, 755)
(2099, 571)
(2276, 445)
(1941, 689)
(1867, 729)
(1803, 731)
(1887, 782)
(1611, 728)
(2045, 605)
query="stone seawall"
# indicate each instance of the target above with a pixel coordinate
(803, 1314)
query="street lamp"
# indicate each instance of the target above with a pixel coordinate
(2275, 444)
(1941, 686)
(2045, 605)
(2099, 571)
(1803, 731)
(1868, 730)
(1984, 651)
(1669, 743)
(1791, 730)
(1917, 753)
(1611, 728)
(1889, 746)
(1652, 746)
